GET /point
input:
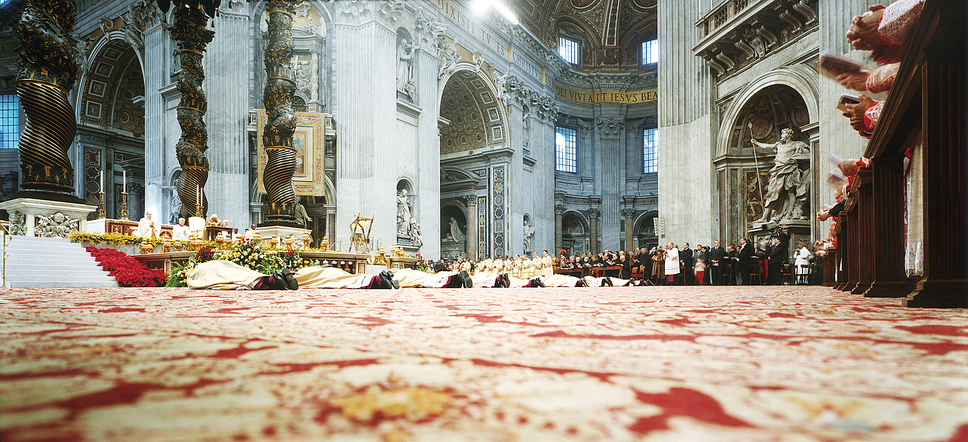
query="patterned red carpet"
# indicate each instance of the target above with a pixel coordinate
(662, 364)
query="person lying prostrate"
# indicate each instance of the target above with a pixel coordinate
(223, 275)
(559, 280)
(410, 278)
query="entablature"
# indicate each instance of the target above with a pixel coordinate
(738, 33)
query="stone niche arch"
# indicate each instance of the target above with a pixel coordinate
(575, 233)
(643, 230)
(800, 79)
(475, 155)
(784, 98)
(452, 247)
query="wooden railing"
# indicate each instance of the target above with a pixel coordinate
(927, 102)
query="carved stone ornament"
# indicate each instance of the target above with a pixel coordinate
(628, 212)
(354, 11)
(428, 32)
(594, 212)
(389, 12)
(140, 16)
(611, 128)
(18, 223)
(543, 106)
(57, 225)
(559, 209)
(448, 57)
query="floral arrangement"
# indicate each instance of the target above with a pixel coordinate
(127, 271)
(246, 253)
(421, 265)
(110, 238)
(118, 239)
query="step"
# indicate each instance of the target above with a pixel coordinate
(53, 262)
(62, 284)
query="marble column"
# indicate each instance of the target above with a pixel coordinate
(427, 150)
(471, 202)
(559, 214)
(594, 214)
(610, 133)
(629, 214)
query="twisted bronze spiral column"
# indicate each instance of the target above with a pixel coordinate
(192, 37)
(281, 120)
(48, 73)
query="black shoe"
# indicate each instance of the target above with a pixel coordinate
(505, 280)
(466, 279)
(278, 281)
(290, 279)
(387, 281)
(607, 281)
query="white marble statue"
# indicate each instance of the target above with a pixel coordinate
(789, 184)
(404, 56)
(403, 213)
(455, 234)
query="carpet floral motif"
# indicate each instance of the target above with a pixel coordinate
(623, 364)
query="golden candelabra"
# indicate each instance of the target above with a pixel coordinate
(124, 205)
(100, 205)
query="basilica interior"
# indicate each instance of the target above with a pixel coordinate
(490, 128)
(303, 140)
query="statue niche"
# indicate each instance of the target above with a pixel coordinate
(453, 231)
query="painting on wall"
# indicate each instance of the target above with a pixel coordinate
(307, 140)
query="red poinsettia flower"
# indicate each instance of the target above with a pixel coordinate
(127, 271)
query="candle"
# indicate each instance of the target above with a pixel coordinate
(101, 183)
(124, 181)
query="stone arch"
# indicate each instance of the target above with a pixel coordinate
(800, 78)
(644, 231)
(575, 230)
(493, 117)
(110, 87)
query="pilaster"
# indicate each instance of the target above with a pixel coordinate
(367, 101)
(227, 114)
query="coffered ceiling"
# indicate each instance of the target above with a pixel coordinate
(610, 30)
